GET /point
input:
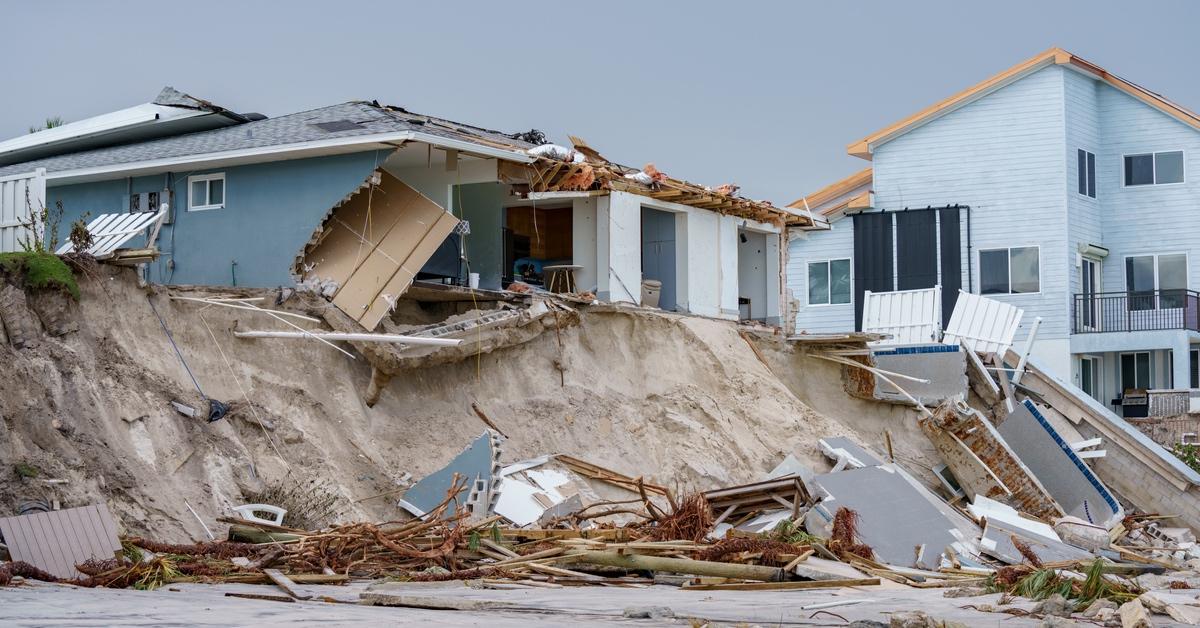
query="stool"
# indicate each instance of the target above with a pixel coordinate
(561, 276)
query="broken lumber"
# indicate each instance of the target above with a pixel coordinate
(684, 565)
(351, 337)
(781, 586)
(285, 583)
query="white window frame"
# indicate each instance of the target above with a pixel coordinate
(1090, 182)
(979, 269)
(1153, 168)
(1189, 438)
(215, 176)
(1187, 269)
(828, 280)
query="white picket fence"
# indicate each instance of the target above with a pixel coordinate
(20, 195)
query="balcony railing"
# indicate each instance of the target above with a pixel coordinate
(1151, 310)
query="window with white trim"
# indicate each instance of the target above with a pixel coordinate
(1154, 168)
(829, 282)
(1156, 281)
(1013, 270)
(1087, 173)
(206, 191)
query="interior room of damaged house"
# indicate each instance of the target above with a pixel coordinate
(956, 479)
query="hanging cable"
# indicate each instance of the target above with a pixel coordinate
(216, 409)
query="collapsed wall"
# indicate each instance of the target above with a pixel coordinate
(87, 416)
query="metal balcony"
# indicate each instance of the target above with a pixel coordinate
(1151, 310)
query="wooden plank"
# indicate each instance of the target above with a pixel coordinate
(285, 583)
(260, 596)
(785, 586)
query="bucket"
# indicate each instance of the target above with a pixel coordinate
(473, 280)
(651, 289)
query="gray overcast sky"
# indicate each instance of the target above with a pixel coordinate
(766, 95)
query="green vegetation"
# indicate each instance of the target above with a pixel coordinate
(41, 271)
(792, 532)
(1038, 583)
(1188, 453)
(25, 470)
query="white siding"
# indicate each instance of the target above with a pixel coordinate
(1083, 131)
(1146, 219)
(1003, 156)
(837, 243)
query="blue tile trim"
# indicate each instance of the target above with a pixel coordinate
(916, 350)
(1083, 468)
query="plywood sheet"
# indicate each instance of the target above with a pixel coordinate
(373, 244)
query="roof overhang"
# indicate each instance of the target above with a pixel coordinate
(133, 124)
(865, 147)
(335, 146)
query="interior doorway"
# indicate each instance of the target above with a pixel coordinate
(658, 254)
(536, 237)
(752, 275)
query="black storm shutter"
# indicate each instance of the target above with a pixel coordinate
(872, 258)
(952, 266)
(916, 250)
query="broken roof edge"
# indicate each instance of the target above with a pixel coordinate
(864, 148)
(280, 152)
(170, 109)
(549, 175)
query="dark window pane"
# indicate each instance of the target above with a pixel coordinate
(1194, 359)
(1081, 166)
(1139, 282)
(1139, 169)
(1085, 376)
(1128, 376)
(1172, 280)
(1091, 175)
(216, 192)
(1024, 265)
(818, 283)
(839, 281)
(1143, 370)
(1168, 167)
(199, 194)
(993, 272)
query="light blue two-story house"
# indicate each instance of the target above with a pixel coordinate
(1054, 186)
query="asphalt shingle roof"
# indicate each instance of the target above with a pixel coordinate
(288, 129)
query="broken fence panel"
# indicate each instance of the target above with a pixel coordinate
(58, 540)
(908, 316)
(982, 324)
(110, 231)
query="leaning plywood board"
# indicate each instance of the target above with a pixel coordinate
(356, 227)
(403, 277)
(371, 246)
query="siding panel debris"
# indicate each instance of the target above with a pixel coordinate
(56, 541)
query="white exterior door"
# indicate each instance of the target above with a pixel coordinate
(21, 196)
